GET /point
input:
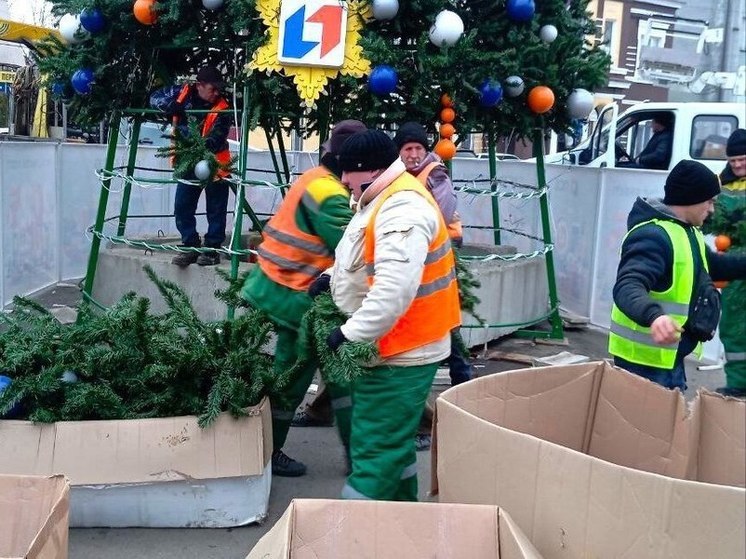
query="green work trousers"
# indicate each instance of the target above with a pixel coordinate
(388, 404)
(733, 333)
(285, 401)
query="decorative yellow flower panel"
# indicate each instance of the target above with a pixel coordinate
(311, 81)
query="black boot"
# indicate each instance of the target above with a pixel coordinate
(284, 466)
(184, 259)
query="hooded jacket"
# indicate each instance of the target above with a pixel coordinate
(647, 262)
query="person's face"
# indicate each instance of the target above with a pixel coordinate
(207, 92)
(738, 165)
(698, 213)
(658, 126)
(354, 181)
(412, 153)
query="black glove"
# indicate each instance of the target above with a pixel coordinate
(176, 110)
(319, 285)
(336, 339)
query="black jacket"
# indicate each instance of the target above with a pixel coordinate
(657, 154)
(647, 262)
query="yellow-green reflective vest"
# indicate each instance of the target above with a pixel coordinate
(633, 342)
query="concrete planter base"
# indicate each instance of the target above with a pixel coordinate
(514, 293)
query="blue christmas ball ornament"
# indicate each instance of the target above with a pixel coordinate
(383, 80)
(490, 93)
(61, 90)
(82, 81)
(92, 20)
(521, 10)
(16, 410)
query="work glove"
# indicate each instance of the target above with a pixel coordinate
(336, 339)
(319, 285)
(176, 110)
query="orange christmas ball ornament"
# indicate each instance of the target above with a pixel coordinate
(722, 242)
(144, 11)
(446, 101)
(447, 130)
(445, 149)
(447, 115)
(540, 99)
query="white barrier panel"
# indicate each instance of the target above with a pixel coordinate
(49, 196)
(28, 218)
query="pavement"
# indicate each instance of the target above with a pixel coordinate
(319, 448)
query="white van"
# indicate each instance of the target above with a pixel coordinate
(700, 132)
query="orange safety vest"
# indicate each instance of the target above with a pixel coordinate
(455, 229)
(223, 156)
(287, 255)
(435, 310)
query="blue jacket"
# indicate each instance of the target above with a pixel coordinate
(165, 100)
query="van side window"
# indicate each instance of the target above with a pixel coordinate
(710, 134)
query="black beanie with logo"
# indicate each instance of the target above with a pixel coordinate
(367, 151)
(690, 183)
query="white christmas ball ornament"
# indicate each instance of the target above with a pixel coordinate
(385, 9)
(548, 33)
(212, 4)
(70, 29)
(202, 170)
(513, 86)
(580, 103)
(447, 29)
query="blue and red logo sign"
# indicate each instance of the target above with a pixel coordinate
(312, 33)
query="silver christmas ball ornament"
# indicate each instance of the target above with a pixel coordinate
(580, 103)
(202, 170)
(385, 9)
(447, 29)
(548, 33)
(513, 86)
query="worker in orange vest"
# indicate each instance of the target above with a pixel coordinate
(394, 276)
(428, 168)
(174, 100)
(298, 245)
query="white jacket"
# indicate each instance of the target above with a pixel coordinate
(405, 226)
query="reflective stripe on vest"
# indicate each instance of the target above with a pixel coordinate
(287, 255)
(633, 342)
(435, 310)
(223, 156)
(455, 229)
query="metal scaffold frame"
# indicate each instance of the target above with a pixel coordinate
(234, 251)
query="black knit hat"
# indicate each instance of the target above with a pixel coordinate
(367, 151)
(341, 131)
(410, 132)
(690, 183)
(211, 75)
(736, 143)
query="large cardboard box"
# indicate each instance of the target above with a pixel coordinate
(327, 529)
(151, 472)
(593, 461)
(33, 517)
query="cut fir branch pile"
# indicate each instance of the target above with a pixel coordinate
(337, 367)
(127, 363)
